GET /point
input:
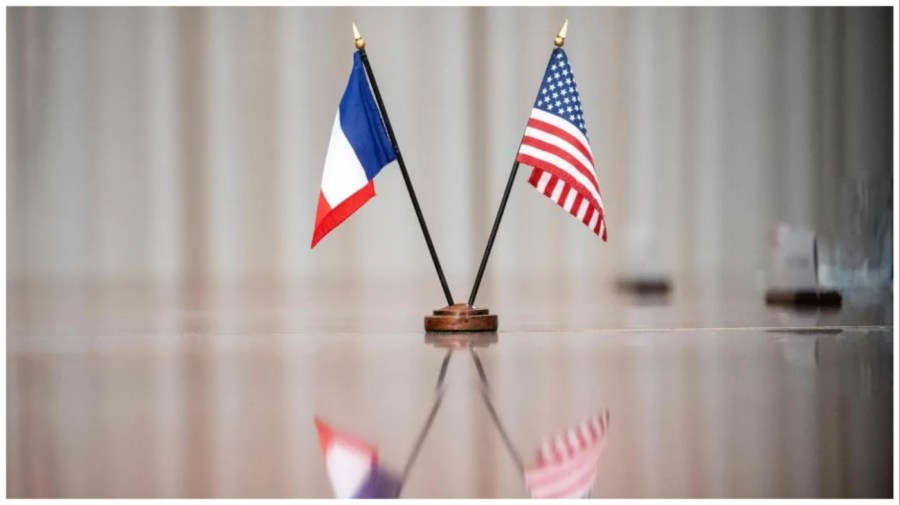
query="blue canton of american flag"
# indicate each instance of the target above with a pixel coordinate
(556, 145)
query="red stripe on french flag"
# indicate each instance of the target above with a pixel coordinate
(328, 219)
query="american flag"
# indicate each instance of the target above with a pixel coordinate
(566, 464)
(556, 145)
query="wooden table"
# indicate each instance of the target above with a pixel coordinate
(210, 391)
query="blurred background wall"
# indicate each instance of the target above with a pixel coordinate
(187, 144)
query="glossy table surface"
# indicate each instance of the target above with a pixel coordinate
(210, 391)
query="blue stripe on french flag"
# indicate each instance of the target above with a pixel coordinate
(359, 149)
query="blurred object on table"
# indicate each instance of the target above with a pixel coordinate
(792, 274)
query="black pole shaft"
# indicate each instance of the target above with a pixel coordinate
(409, 186)
(490, 244)
(439, 397)
(486, 396)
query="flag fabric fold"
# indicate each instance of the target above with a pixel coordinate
(353, 467)
(566, 463)
(359, 149)
(556, 145)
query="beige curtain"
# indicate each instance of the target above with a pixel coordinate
(187, 144)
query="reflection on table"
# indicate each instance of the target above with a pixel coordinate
(140, 393)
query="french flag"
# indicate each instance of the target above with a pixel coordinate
(359, 149)
(352, 466)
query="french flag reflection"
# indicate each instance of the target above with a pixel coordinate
(352, 466)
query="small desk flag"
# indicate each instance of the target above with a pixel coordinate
(353, 467)
(359, 149)
(566, 464)
(556, 145)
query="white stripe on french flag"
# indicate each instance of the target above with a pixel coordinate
(344, 175)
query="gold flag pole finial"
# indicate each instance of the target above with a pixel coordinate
(561, 36)
(357, 38)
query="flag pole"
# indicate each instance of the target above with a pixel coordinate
(490, 243)
(361, 47)
(439, 397)
(558, 41)
(486, 396)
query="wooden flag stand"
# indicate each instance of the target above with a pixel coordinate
(461, 339)
(461, 317)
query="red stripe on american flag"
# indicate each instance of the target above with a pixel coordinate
(564, 135)
(562, 153)
(567, 462)
(544, 476)
(577, 488)
(583, 441)
(534, 180)
(567, 479)
(558, 173)
(573, 490)
(563, 190)
(563, 167)
(551, 184)
(588, 216)
(592, 427)
(577, 204)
